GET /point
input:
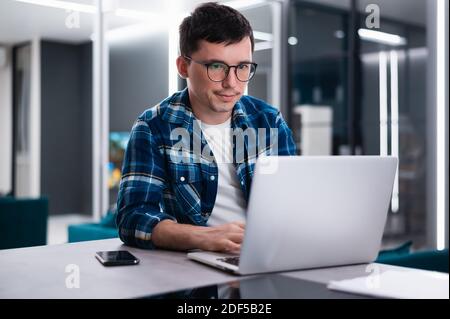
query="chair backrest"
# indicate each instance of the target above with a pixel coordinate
(23, 222)
(429, 260)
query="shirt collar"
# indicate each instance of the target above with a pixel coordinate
(178, 109)
(240, 118)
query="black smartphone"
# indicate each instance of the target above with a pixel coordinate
(116, 258)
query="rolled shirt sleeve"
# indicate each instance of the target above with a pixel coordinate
(141, 186)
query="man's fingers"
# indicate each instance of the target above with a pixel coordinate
(236, 237)
(232, 247)
(240, 224)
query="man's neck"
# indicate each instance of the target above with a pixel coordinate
(211, 119)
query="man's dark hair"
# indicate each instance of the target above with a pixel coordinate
(214, 23)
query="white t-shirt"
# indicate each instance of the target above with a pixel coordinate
(230, 202)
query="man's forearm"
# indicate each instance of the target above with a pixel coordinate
(224, 238)
(171, 235)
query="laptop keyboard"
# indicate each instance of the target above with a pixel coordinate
(230, 260)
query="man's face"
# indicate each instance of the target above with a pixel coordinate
(217, 97)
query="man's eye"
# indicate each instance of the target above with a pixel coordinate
(243, 66)
(217, 66)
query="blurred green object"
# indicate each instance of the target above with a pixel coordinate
(85, 232)
(23, 222)
(109, 220)
(435, 260)
(402, 250)
(105, 229)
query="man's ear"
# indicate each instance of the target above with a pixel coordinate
(182, 66)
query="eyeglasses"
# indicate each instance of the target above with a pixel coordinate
(218, 71)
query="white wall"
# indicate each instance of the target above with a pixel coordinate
(5, 124)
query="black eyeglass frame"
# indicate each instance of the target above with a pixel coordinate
(207, 64)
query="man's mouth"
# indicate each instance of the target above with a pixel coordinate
(226, 97)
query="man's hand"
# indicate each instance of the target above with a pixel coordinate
(224, 238)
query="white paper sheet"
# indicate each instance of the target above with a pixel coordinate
(408, 284)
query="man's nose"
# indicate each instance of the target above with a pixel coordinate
(231, 80)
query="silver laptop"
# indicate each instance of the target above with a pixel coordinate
(312, 211)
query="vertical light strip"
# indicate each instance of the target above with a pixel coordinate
(276, 54)
(173, 54)
(383, 104)
(105, 113)
(441, 143)
(174, 39)
(96, 111)
(35, 119)
(394, 125)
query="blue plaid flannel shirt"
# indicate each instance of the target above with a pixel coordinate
(159, 182)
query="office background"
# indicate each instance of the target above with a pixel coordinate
(72, 82)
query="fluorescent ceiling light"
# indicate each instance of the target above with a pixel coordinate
(140, 15)
(126, 13)
(339, 34)
(292, 40)
(244, 4)
(381, 37)
(265, 45)
(131, 32)
(62, 5)
(264, 36)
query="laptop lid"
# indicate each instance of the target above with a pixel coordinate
(307, 212)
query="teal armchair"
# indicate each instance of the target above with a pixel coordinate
(434, 260)
(94, 231)
(23, 222)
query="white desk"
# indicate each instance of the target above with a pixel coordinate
(40, 272)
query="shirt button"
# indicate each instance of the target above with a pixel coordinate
(212, 177)
(182, 178)
(242, 182)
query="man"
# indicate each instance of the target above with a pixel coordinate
(195, 196)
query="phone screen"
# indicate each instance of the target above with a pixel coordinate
(119, 257)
